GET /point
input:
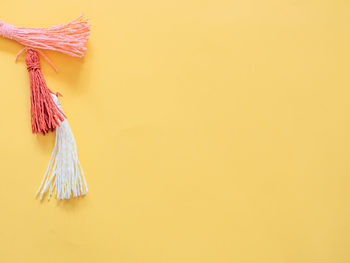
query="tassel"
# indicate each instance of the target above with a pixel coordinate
(64, 175)
(45, 115)
(67, 38)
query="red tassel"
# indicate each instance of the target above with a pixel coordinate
(45, 114)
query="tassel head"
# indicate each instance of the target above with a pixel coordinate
(7, 30)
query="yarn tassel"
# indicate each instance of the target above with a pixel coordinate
(67, 38)
(64, 175)
(45, 115)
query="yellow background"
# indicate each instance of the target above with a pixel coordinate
(209, 131)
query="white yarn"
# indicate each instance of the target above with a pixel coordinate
(64, 175)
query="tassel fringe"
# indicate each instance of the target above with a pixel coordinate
(64, 175)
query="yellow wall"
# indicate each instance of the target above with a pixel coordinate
(209, 131)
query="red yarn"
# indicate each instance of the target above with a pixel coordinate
(45, 114)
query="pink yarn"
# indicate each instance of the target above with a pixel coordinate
(7, 30)
(67, 38)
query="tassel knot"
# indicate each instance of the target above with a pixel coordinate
(32, 58)
(33, 66)
(7, 30)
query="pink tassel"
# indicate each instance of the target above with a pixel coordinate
(68, 38)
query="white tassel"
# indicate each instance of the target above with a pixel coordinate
(64, 175)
